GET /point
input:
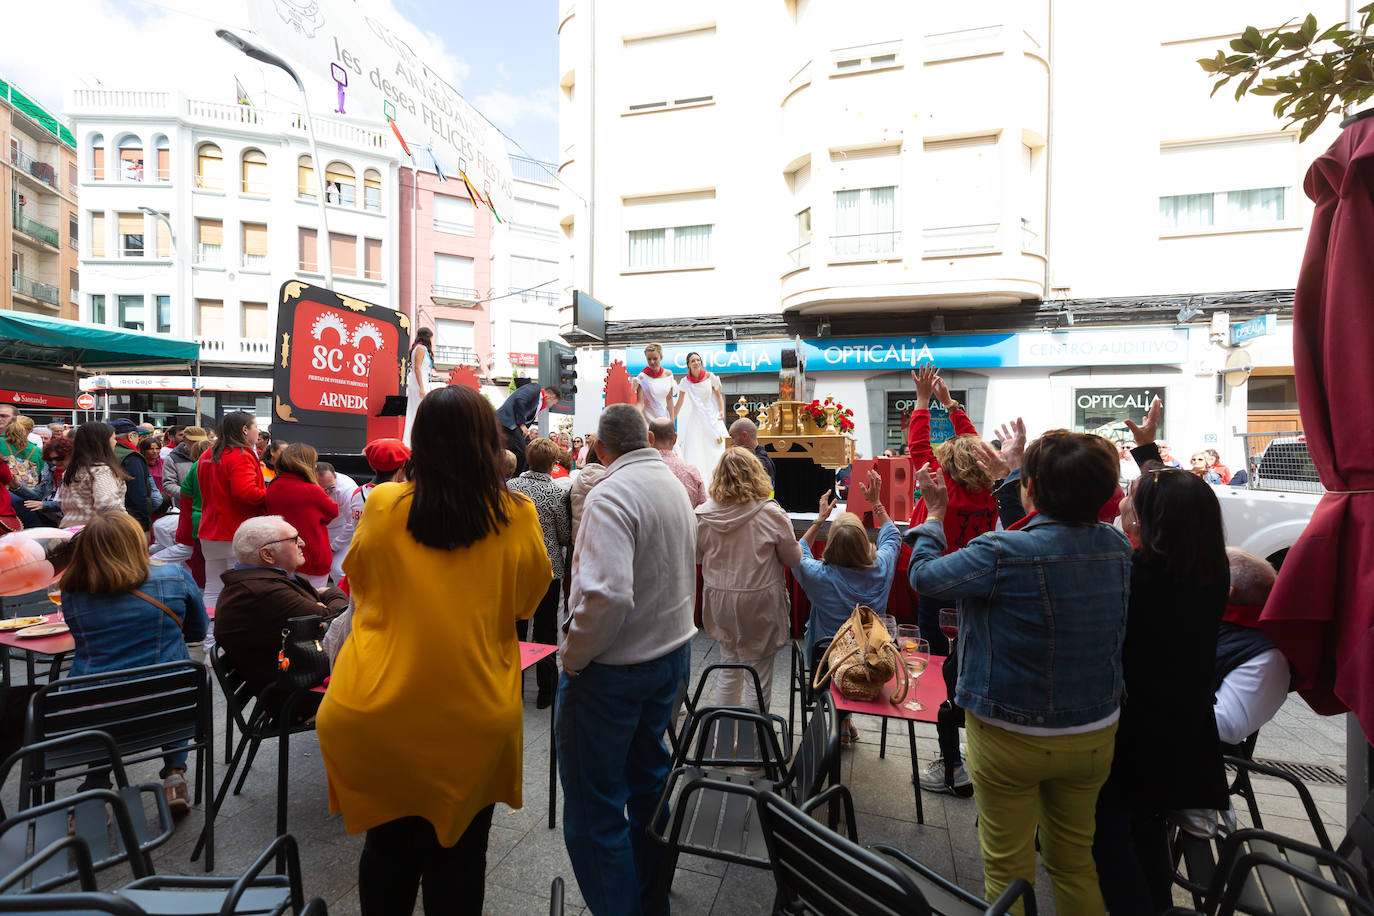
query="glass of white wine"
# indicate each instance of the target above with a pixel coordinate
(915, 653)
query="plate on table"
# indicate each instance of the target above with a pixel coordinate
(19, 623)
(48, 629)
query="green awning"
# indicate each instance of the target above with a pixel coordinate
(35, 340)
(37, 112)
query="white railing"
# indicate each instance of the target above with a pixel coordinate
(977, 238)
(253, 261)
(123, 99)
(865, 245)
(208, 255)
(247, 349)
(799, 257)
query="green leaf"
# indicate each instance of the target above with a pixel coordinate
(1331, 32)
(1309, 29)
(1266, 90)
(1240, 44)
(1251, 36)
(1220, 83)
(1292, 41)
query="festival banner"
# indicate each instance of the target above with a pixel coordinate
(368, 63)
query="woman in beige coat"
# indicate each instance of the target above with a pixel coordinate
(744, 539)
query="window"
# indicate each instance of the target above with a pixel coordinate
(865, 223)
(130, 158)
(961, 196)
(254, 246)
(1099, 410)
(1272, 392)
(343, 254)
(308, 257)
(534, 215)
(453, 214)
(131, 235)
(255, 321)
(73, 227)
(73, 287)
(254, 172)
(668, 232)
(97, 309)
(209, 242)
(164, 172)
(534, 278)
(372, 259)
(800, 256)
(210, 318)
(339, 185)
(525, 335)
(1230, 185)
(164, 314)
(454, 341)
(372, 190)
(453, 277)
(665, 71)
(97, 157)
(71, 177)
(305, 178)
(209, 165)
(131, 312)
(867, 58)
(97, 235)
(163, 238)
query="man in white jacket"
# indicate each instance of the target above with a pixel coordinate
(627, 646)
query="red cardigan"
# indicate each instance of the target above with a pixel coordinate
(231, 492)
(969, 514)
(309, 510)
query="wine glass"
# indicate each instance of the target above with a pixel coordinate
(890, 623)
(55, 594)
(949, 625)
(909, 643)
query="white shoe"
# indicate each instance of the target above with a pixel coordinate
(933, 779)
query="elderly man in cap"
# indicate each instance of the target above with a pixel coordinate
(138, 489)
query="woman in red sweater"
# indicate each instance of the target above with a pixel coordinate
(231, 492)
(297, 496)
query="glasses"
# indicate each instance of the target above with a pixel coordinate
(293, 537)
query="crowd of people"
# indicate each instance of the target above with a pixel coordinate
(480, 532)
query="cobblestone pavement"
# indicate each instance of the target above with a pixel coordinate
(524, 855)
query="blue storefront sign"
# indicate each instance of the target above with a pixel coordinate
(1131, 346)
(1255, 327)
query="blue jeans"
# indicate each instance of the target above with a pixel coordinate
(612, 760)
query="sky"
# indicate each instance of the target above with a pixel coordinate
(502, 57)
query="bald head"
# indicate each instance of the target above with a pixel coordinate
(662, 435)
(744, 433)
(1252, 578)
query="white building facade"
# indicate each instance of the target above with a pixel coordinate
(237, 185)
(1040, 193)
(526, 272)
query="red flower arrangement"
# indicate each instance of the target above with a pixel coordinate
(821, 414)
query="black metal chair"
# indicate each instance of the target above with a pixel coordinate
(682, 710)
(145, 710)
(556, 897)
(712, 813)
(799, 684)
(819, 871)
(257, 722)
(88, 815)
(728, 741)
(1318, 894)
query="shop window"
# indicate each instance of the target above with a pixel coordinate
(1103, 411)
(1273, 392)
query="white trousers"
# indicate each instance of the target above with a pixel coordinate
(165, 546)
(735, 687)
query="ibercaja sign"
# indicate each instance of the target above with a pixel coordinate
(337, 359)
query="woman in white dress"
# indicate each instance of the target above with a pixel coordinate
(417, 379)
(700, 412)
(654, 386)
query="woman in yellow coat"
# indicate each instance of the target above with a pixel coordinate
(421, 729)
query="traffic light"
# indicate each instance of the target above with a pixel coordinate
(558, 368)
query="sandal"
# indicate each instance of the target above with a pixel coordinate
(849, 735)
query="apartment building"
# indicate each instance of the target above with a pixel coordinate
(1039, 195)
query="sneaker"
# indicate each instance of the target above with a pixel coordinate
(933, 779)
(178, 799)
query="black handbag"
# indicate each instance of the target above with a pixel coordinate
(302, 662)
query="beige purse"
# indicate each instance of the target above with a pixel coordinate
(862, 658)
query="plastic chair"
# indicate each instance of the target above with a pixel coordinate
(87, 815)
(256, 723)
(800, 679)
(819, 871)
(145, 710)
(712, 813)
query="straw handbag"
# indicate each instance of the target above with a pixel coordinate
(862, 658)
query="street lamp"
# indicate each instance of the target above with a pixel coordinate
(267, 57)
(181, 269)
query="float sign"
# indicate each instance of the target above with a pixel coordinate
(336, 360)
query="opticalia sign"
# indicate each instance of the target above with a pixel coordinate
(1124, 347)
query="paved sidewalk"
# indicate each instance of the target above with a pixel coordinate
(524, 855)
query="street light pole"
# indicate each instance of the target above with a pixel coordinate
(267, 57)
(182, 267)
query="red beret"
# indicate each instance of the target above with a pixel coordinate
(386, 454)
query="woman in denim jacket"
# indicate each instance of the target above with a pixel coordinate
(1042, 618)
(125, 613)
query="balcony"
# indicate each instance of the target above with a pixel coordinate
(209, 255)
(532, 295)
(455, 356)
(952, 241)
(460, 296)
(865, 246)
(799, 258)
(34, 229)
(525, 169)
(240, 349)
(35, 168)
(32, 289)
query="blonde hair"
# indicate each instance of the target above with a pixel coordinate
(17, 433)
(739, 478)
(958, 458)
(847, 544)
(510, 462)
(109, 556)
(298, 458)
(653, 348)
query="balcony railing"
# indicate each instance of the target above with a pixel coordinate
(532, 170)
(209, 255)
(27, 286)
(32, 227)
(976, 238)
(72, 243)
(209, 182)
(74, 296)
(253, 261)
(865, 246)
(532, 295)
(460, 356)
(246, 349)
(456, 294)
(799, 257)
(43, 171)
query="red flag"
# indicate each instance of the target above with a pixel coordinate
(397, 131)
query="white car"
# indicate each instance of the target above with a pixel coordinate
(1267, 516)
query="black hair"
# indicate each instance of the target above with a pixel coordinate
(91, 448)
(425, 337)
(233, 433)
(1180, 527)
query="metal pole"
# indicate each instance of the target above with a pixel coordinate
(322, 237)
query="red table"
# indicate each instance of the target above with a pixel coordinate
(56, 646)
(531, 652)
(930, 692)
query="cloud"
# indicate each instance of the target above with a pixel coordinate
(507, 109)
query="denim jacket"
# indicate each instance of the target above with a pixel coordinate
(1042, 618)
(117, 631)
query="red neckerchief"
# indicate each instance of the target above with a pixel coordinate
(1245, 615)
(1024, 521)
(545, 400)
(696, 379)
(654, 373)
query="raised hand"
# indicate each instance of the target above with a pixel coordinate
(942, 392)
(826, 506)
(925, 379)
(873, 488)
(1146, 431)
(933, 492)
(1013, 443)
